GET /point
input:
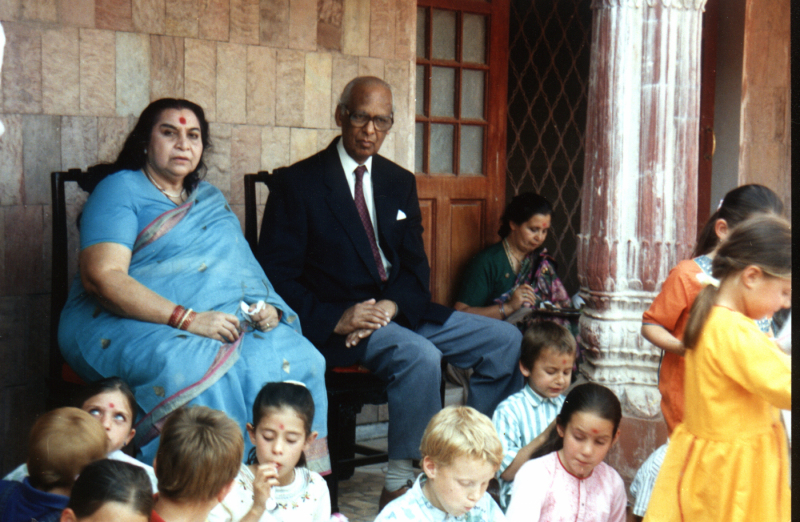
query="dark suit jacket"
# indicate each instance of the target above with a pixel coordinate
(315, 251)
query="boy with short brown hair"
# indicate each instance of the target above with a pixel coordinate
(61, 443)
(198, 457)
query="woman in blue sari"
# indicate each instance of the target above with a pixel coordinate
(169, 296)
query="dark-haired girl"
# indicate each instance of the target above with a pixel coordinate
(567, 480)
(110, 490)
(275, 484)
(164, 270)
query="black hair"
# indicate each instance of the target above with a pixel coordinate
(111, 481)
(764, 241)
(588, 397)
(133, 155)
(278, 395)
(521, 209)
(738, 205)
(108, 384)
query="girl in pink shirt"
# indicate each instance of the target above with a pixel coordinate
(567, 478)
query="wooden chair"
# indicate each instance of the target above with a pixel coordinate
(349, 388)
(62, 382)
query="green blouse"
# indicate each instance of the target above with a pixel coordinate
(488, 276)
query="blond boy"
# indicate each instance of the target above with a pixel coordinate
(198, 457)
(61, 443)
(525, 419)
(460, 455)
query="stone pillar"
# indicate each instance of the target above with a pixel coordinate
(639, 200)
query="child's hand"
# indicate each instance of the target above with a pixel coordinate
(266, 476)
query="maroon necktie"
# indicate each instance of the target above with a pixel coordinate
(361, 205)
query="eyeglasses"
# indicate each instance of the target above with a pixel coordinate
(359, 119)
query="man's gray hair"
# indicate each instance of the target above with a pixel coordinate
(347, 93)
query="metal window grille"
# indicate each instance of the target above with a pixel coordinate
(549, 45)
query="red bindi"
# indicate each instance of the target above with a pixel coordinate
(110, 404)
(182, 120)
(281, 426)
(594, 431)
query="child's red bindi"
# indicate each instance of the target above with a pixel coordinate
(281, 426)
(594, 431)
(110, 404)
(182, 120)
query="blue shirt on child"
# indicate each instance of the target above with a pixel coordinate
(21, 502)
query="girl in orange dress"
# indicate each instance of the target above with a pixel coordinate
(727, 460)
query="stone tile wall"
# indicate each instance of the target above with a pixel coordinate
(76, 74)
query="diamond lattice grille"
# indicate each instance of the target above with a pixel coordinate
(549, 44)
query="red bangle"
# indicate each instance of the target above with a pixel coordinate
(187, 320)
(176, 316)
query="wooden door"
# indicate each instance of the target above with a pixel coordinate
(708, 76)
(460, 133)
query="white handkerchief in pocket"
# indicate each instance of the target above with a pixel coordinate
(400, 215)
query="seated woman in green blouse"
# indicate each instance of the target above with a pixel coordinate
(517, 272)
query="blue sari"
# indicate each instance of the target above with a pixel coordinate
(194, 255)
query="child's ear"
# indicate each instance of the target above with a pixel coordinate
(721, 229)
(559, 429)
(251, 432)
(615, 437)
(428, 467)
(526, 372)
(310, 439)
(225, 490)
(68, 516)
(750, 276)
(129, 438)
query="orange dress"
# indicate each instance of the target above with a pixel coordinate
(728, 460)
(670, 309)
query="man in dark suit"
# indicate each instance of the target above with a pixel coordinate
(341, 241)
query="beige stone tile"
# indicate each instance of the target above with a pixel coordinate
(214, 20)
(388, 147)
(275, 143)
(149, 16)
(78, 142)
(77, 13)
(60, 71)
(231, 83)
(316, 106)
(166, 67)
(396, 74)
(22, 69)
(329, 24)
(382, 28)
(245, 158)
(10, 10)
(181, 18)
(244, 25)
(261, 85)
(289, 97)
(111, 134)
(370, 67)
(303, 144)
(115, 15)
(11, 144)
(40, 11)
(200, 75)
(325, 137)
(133, 73)
(303, 24)
(405, 29)
(218, 160)
(274, 23)
(355, 27)
(97, 70)
(345, 68)
(23, 249)
(41, 153)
